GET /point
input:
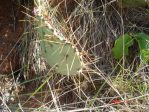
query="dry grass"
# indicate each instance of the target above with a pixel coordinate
(105, 84)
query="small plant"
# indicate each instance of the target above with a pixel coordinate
(122, 44)
(143, 41)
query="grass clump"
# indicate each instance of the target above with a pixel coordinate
(104, 84)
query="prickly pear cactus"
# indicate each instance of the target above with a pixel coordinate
(61, 56)
(57, 51)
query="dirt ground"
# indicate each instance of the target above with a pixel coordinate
(10, 31)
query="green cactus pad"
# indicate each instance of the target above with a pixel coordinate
(61, 56)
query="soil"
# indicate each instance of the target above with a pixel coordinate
(10, 31)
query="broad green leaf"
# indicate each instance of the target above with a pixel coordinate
(143, 41)
(121, 46)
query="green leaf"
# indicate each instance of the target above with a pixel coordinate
(143, 41)
(121, 46)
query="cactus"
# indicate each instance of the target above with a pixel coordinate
(61, 56)
(57, 51)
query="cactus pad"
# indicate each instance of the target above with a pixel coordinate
(61, 56)
(58, 54)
